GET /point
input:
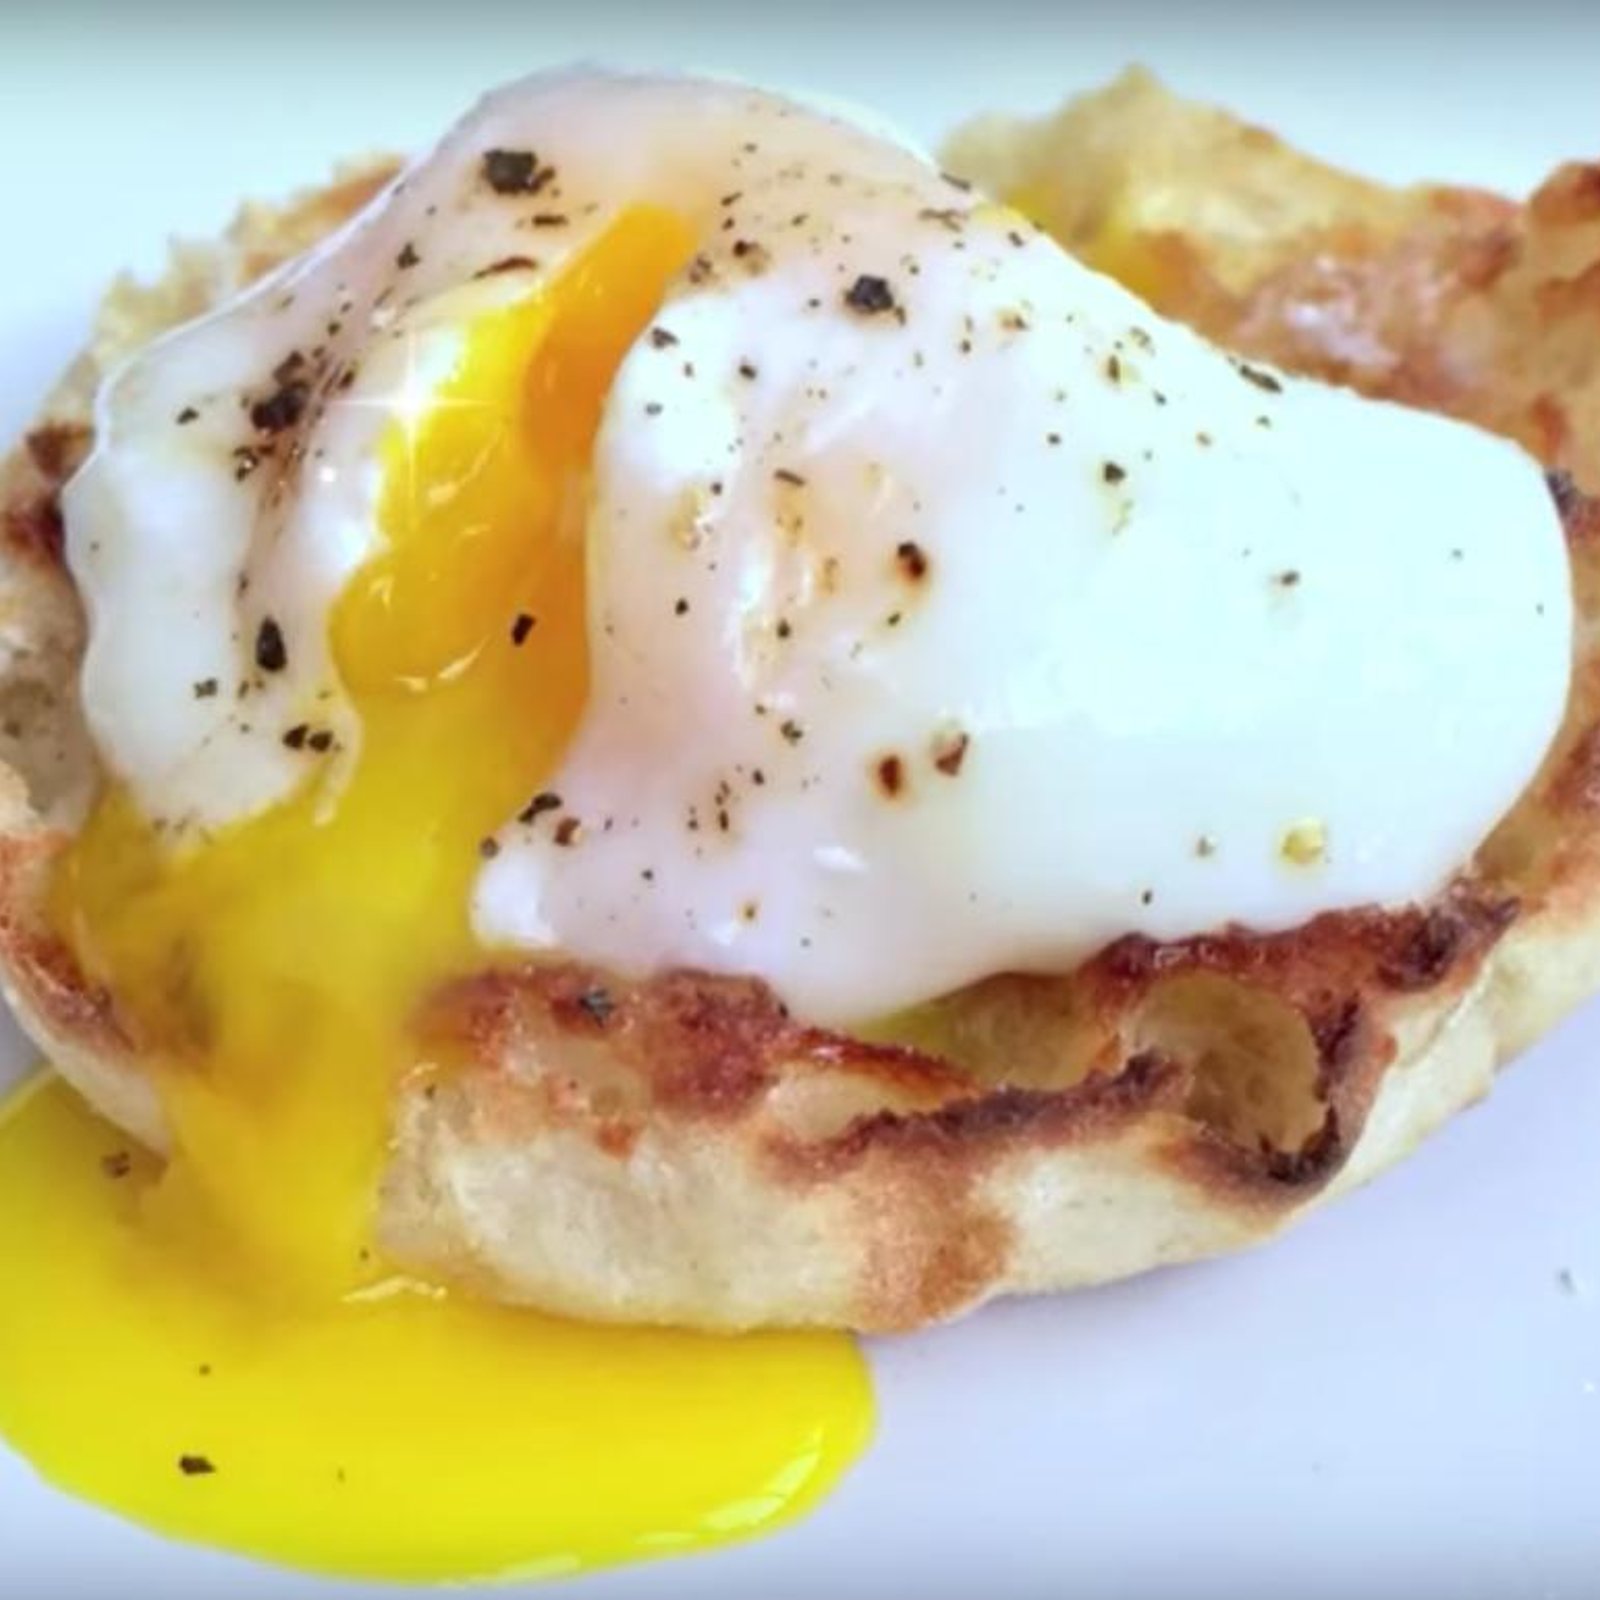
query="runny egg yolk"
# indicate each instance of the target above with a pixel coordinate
(411, 1436)
(226, 1312)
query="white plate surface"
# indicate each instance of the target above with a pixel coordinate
(1403, 1396)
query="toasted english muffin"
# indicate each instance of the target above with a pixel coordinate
(1451, 299)
(683, 1150)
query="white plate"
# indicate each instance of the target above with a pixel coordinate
(1404, 1396)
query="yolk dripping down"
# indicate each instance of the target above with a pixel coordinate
(274, 967)
(408, 1437)
(271, 970)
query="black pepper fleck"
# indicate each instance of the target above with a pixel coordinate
(514, 171)
(870, 295)
(506, 264)
(949, 752)
(282, 408)
(912, 560)
(545, 800)
(195, 1466)
(271, 653)
(521, 627)
(891, 776)
(1262, 380)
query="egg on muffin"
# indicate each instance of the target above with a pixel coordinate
(681, 718)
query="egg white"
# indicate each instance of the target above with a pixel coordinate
(951, 626)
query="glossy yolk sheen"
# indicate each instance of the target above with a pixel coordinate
(407, 1437)
(272, 969)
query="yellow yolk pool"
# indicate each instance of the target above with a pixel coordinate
(406, 1437)
(226, 1311)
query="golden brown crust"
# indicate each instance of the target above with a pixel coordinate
(1447, 298)
(684, 1150)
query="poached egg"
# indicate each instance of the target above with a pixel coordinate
(674, 527)
(926, 610)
